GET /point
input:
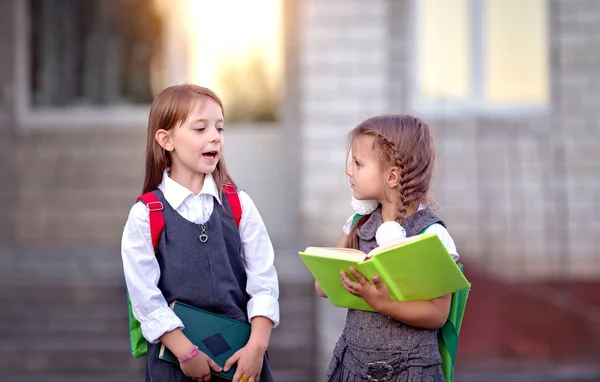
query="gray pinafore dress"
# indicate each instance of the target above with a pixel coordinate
(208, 275)
(376, 348)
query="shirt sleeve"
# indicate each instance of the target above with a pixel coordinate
(142, 273)
(258, 255)
(445, 238)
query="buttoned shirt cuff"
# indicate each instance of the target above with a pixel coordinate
(159, 322)
(263, 305)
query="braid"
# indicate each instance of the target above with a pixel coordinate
(402, 193)
(406, 143)
(390, 155)
(414, 164)
(412, 175)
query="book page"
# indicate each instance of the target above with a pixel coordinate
(337, 253)
(393, 245)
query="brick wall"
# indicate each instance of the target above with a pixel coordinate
(576, 85)
(343, 67)
(7, 196)
(77, 186)
(343, 80)
(518, 191)
(493, 186)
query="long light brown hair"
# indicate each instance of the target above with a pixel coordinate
(170, 108)
(406, 142)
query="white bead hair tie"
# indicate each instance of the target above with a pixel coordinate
(364, 207)
(389, 232)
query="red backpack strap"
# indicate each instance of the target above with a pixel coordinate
(234, 202)
(157, 221)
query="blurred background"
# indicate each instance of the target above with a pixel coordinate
(511, 89)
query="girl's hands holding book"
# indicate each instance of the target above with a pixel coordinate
(198, 367)
(250, 358)
(421, 314)
(373, 294)
(249, 361)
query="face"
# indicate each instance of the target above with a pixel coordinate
(197, 144)
(365, 170)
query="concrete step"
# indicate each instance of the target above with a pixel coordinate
(135, 376)
(55, 324)
(24, 265)
(67, 355)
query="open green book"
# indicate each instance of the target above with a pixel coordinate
(416, 268)
(217, 336)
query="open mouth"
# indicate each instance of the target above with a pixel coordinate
(210, 154)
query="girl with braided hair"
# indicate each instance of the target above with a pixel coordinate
(392, 159)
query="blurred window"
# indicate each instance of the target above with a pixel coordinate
(93, 52)
(480, 55)
(103, 61)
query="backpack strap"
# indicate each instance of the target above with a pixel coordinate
(448, 343)
(448, 334)
(233, 198)
(157, 220)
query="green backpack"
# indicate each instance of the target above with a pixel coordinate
(448, 335)
(139, 346)
(448, 339)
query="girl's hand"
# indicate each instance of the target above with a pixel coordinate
(249, 364)
(198, 368)
(319, 290)
(373, 294)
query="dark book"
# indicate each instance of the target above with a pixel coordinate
(217, 336)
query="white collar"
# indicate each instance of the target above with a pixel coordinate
(175, 193)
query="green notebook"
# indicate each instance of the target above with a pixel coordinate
(417, 268)
(217, 336)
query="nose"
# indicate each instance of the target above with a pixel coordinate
(215, 135)
(349, 170)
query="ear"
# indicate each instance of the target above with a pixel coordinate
(163, 137)
(392, 176)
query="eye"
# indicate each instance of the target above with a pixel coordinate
(200, 129)
(356, 162)
(220, 129)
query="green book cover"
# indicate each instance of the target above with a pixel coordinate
(417, 268)
(217, 336)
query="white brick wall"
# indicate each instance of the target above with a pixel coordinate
(577, 95)
(343, 80)
(343, 68)
(79, 186)
(7, 194)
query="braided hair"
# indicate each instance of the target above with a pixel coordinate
(406, 142)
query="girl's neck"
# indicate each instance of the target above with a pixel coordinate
(193, 181)
(389, 210)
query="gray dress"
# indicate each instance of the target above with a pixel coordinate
(376, 348)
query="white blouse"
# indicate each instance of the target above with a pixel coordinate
(142, 271)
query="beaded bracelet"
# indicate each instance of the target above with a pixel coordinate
(192, 355)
